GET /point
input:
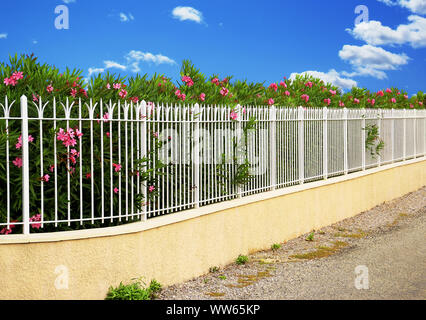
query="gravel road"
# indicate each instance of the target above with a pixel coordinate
(388, 242)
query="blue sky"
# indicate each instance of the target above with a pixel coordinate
(254, 40)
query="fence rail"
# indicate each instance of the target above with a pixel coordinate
(70, 165)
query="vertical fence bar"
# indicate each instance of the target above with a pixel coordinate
(25, 167)
(273, 144)
(301, 144)
(415, 133)
(363, 128)
(345, 140)
(196, 156)
(404, 136)
(239, 151)
(393, 134)
(325, 142)
(143, 154)
(379, 132)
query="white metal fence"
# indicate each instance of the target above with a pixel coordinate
(95, 178)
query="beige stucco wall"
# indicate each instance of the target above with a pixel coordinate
(179, 251)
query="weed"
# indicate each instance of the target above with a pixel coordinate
(214, 269)
(222, 277)
(134, 291)
(310, 237)
(241, 259)
(275, 246)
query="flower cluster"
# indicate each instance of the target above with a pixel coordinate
(69, 136)
(13, 79)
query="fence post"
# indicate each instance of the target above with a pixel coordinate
(143, 151)
(363, 128)
(25, 167)
(345, 140)
(415, 133)
(196, 156)
(379, 131)
(301, 145)
(393, 134)
(325, 142)
(404, 135)
(239, 137)
(273, 144)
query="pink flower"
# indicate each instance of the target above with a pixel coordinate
(122, 93)
(117, 167)
(341, 104)
(49, 88)
(202, 96)
(18, 145)
(287, 93)
(273, 86)
(78, 133)
(183, 97)
(356, 100)
(373, 101)
(106, 117)
(327, 101)
(35, 97)
(45, 178)
(108, 86)
(17, 75)
(17, 162)
(36, 218)
(215, 81)
(224, 91)
(115, 190)
(233, 115)
(388, 90)
(271, 101)
(411, 105)
(333, 92)
(420, 103)
(116, 86)
(88, 175)
(309, 84)
(393, 100)
(155, 134)
(52, 168)
(134, 99)
(305, 97)
(6, 230)
(151, 189)
(406, 96)
(73, 92)
(380, 93)
(107, 134)
(189, 82)
(282, 83)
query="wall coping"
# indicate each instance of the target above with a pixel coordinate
(181, 216)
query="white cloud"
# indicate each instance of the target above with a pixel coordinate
(415, 6)
(69, 1)
(135, 57)
(112, 64)
(368, 60)
(3, 35)
(95, 71)
(126, 18)
(332, 77)
(374, 33)
(35, 41)
(187, 13)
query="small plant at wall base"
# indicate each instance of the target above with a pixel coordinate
(241, 259)
(134, 291)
